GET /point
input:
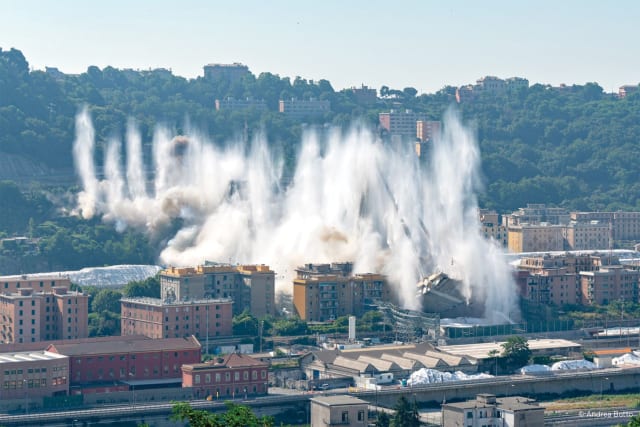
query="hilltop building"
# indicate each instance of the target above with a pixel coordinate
(364, 95)
(625, 90)
(323, 292)
(490, 85)
(625, 226)
(229, 72)
(401, 123)
(232, 104)
(28, 315)
(535, 237)
(304, 109)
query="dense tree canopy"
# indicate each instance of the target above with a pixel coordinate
(573, 146)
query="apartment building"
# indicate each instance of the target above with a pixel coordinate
(324, 292)
(625, 226)
(304, 108)
(492, 227)
(156, 318)
(535, 238)
(608, 284)
(577, 279)
(403, 123)
(251, 287)
(538, 213)
(53, 314)
(588, 235)
(229, 72)
(39, 283)
(427, 130)
(119, 361)
(230, 376)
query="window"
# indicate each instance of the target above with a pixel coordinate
(345, 416)
(236, 376)
(360, 415)
(197, 379)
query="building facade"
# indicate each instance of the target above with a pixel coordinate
(155, 318)
(535, 238)
(401, 123)
(232, 104)
(613, 283)
(93, 363)
(230, 376)
(340, 410)
(304, 108)
(33, 374)
(324, 292)
(588, 235)
(492, 227)
(488, 411)
(30, 316)
(229, 72)
(251, 287)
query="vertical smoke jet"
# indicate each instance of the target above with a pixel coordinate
(83, 158)
(135, 168)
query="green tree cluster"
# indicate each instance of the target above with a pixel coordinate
(234, 416)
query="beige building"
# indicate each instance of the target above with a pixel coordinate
(535, 238)
(324, 292)
(31, 316)
(625, 226)
(538, 213)
(488, 411)
(33, 374)
(155, 318)
(492, 227)
(251, 287)
(340, 410)
(39, 283)
(588, 235)
(229, 72)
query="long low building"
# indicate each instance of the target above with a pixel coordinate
(398, 360)
(537, 346)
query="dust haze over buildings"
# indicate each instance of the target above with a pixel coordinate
(352, 198)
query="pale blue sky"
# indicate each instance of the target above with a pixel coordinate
(424, 44)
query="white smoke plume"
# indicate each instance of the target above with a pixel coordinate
(352, 198)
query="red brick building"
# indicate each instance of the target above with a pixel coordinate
(232, 375)
(101, 364)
